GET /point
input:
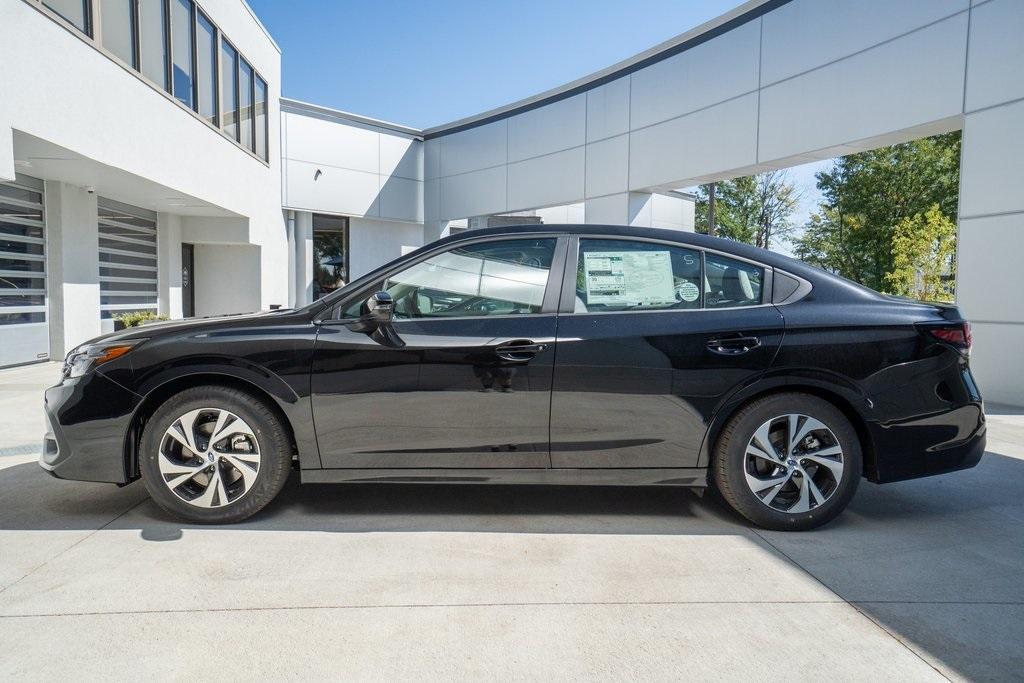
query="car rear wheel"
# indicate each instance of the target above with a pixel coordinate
(788, 462)
(214, 455)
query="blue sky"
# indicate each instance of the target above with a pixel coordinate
(426, 63)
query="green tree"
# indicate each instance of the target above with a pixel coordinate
(923, 252)
(754, 209)
(866, 195)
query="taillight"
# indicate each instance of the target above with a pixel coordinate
(958, 335)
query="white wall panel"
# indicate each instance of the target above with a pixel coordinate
(607, 166)
(714, 71)
(992, 171)
(805, 34)
(913, 80)
(374, 243)
(217, 295)
(720, 138)
(401, 199)
(988, 268)
(995, 63)
(551, 128)
(337, 190)
(400, 156)
(608, 109)
(432, 158)
(335, 144)
(474, 194)
(997, 363)
(474, 149)
(552, 179)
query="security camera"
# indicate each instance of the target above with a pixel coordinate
(90, 189)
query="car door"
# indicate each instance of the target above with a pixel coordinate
(466, 382)
(651, 337)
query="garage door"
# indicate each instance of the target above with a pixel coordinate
(128, 260)
(24, 333)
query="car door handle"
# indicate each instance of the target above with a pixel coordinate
(732, 346)
(519, 350)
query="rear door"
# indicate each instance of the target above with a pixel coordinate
(469, 384)
(651, 337)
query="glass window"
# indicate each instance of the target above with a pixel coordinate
(153, 42)
(330, 254)
(229, 88)
(489, 278)
(729, 283)
(118, 19)
(75, 11)
(206, 67)
(181, 51)
(245, 103)
(261, 119)
(623, 275)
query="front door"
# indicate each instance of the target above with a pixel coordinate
(469, 383)
(188, 285)
(651, 346)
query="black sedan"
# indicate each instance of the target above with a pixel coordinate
(543, 355)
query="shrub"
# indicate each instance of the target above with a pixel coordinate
(136, 318)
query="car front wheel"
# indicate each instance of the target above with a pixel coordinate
(788, 462)
(214, 455)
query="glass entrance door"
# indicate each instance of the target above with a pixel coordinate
(330, 254)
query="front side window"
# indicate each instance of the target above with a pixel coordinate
(730, 283)
(624, 275)
(488, 278)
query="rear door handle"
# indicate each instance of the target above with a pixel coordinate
(519, 350)
(733, 346)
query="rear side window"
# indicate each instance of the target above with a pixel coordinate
(729, 283)
(623, 275)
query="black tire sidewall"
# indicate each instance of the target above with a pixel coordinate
(730, 461)
(275, 453)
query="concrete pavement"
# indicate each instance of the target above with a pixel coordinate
(916, 581)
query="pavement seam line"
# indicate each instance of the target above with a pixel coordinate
(856, 608)
(72, 546)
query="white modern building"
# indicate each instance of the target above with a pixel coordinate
(147, 160)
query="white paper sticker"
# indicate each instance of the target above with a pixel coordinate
(629, 278)
(688, 291)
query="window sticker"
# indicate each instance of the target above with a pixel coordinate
(688, 291)
(629, 278)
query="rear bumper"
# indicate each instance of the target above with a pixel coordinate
(87, 424)
(936, 444)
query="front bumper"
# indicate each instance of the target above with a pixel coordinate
(921, 447)
(88, 420)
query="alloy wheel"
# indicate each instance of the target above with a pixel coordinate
(209, 457)
(793, 463)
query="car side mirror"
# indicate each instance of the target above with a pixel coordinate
(379, 312)
(380, 308)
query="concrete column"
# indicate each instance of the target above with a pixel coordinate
(289, 224)
(303, 258)
(991, 240)
(73, 266)
(624, 208)
(169, 274)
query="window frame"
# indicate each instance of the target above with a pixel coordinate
(552, 288)
(567, 304)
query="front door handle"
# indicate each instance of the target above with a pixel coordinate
(520, 350)
(733, 346)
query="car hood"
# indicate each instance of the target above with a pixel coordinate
(169, 327)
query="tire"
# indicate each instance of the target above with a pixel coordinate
(808, 487)
(222, 482)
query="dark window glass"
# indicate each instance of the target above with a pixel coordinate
(206, 67)
(623, 275)
(261, 119)
(229, 88)
(153, 42)
(181, 51)
(330, 254)
(490, 278)
(245, 103)
(729, 283)
(21, 318)
(118, 18)
(75, 11)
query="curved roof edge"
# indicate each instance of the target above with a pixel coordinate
(748, 11)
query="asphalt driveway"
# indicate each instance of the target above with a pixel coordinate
(916, 581)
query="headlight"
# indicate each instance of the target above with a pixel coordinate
(88, 356)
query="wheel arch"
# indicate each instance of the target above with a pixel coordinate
(841, 397)
(161, 393)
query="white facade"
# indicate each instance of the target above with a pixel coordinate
(768, 85)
